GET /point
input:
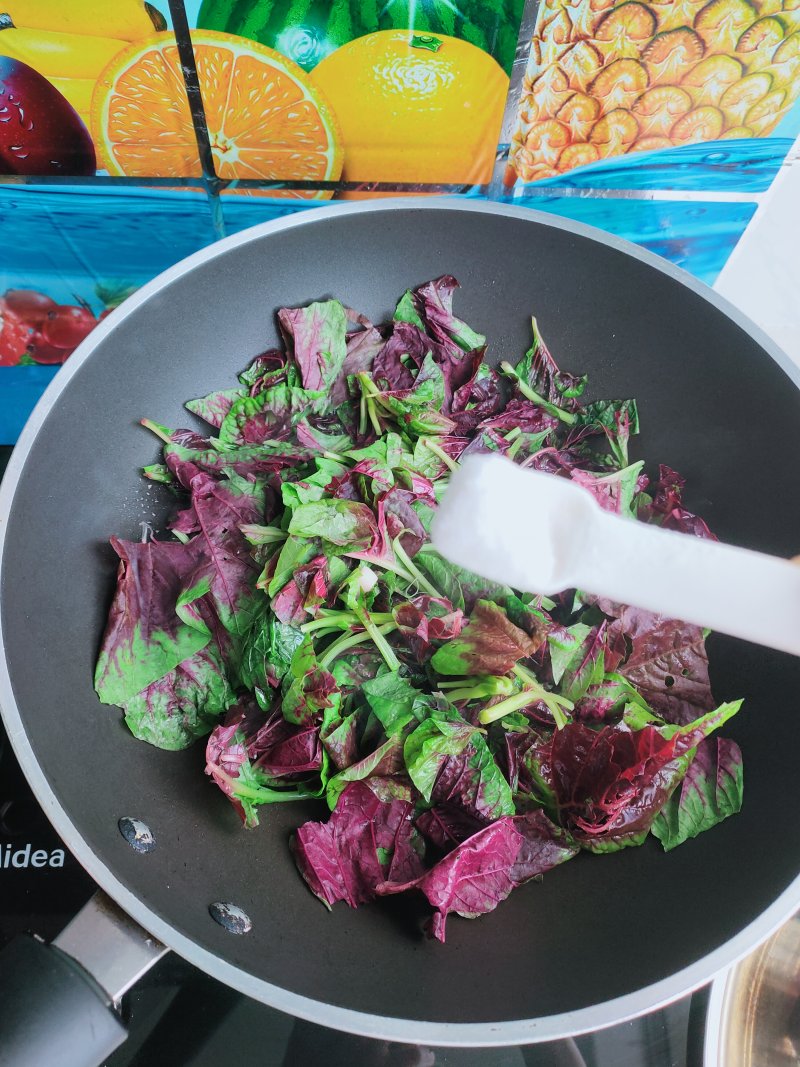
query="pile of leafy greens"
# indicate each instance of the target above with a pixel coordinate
(465, 738)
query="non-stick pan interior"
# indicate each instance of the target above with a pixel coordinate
(713, 405)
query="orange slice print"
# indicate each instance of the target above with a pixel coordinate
(658, 110)
(619, 85)
(700, 124)
(671, 55)
(265, 119)
(736, 133)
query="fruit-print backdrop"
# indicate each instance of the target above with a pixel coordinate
(663, 122)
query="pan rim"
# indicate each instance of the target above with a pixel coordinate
(509, 1032)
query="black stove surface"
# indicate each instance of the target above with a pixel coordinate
(180, 1017)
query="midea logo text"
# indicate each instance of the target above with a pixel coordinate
(27, 856)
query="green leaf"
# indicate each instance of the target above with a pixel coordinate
(577, 659)
(406, 312)
(711, 790)
(357, 772)
(267, 653)
(494, 797)
(271, 410)
(706, 724)
(391, 699)
(185, 704)
(345, 523)
(618, 419)
(310, 689)
(312, 487)
(442, 575)
(441, 735)
(564, 647)
(214, 407)
(295, 553)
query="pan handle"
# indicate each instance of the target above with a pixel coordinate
(58, 1002)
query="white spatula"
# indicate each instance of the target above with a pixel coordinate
(542, 533)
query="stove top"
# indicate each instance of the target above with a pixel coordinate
(180, 1016)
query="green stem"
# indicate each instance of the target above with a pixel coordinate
(362, 415)
(505, 707)
(373, 417)
(386, 565)
(515, 447)
(341, 620)
(350, 641)
(158, 430)
(530, 394)
(380, 642)
(368, 387)
(416, 575)
(440, 453)
(261, 792)
(533, 692)
(490, 685)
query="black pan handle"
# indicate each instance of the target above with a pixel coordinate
(58, 1002)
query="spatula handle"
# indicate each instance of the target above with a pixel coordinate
(732, 590)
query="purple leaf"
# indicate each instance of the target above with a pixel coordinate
(218, 511)
(609, 784)
(264, 371)
(523, 415)
(667, 508)
(434, 304)
(711, 790)
(668, 663)
(402, 520)
(214, 407)
(339, 859)
(481, 871)
(315, 336)
(447, 825)
(251, 740)
(362, 348)
(425, 619)
(306, 590)
(489, 644)
(145, 638)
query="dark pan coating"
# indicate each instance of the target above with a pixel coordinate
(713, 405)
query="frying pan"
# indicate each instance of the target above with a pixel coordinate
(599, 940)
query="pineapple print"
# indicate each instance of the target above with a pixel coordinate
(605, 78)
